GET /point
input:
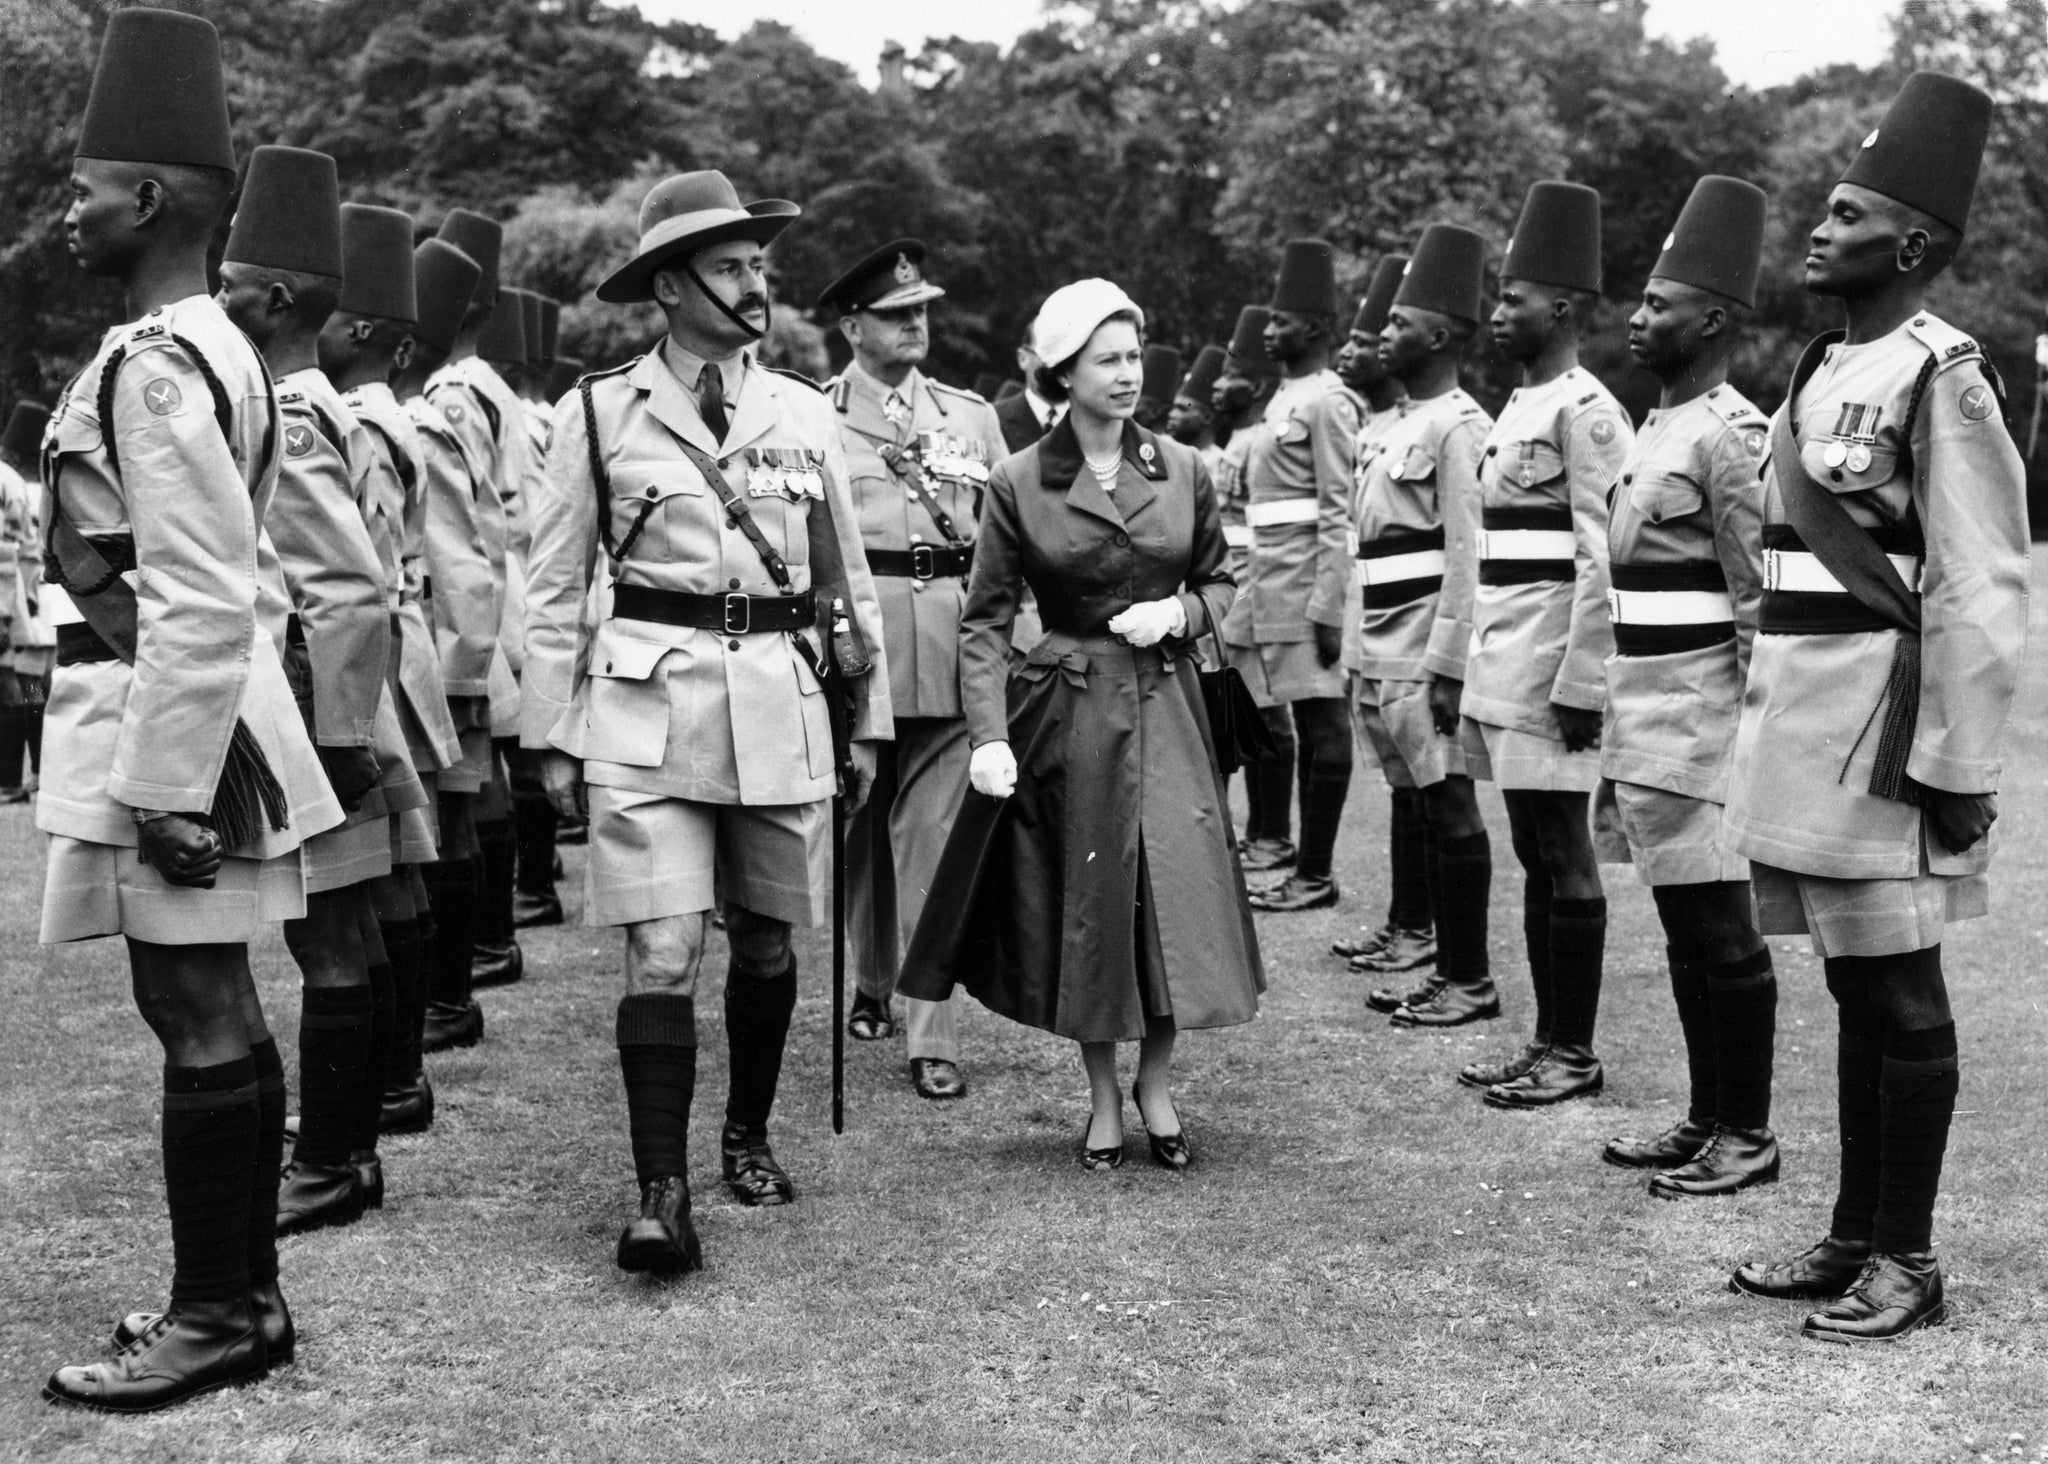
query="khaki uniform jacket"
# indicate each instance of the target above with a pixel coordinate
(674, 710)
(190, 499)
(398, 488)
(1301, 452)
(1423, 475)
(1237, 534)
(1689, 494)
(1371, 428)
(20, 543)
(30, 637)
(461, 590)
(956, 439)
(1558, 446)
(1800, 795)
(487, 415)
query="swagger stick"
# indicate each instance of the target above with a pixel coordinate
(836, 708)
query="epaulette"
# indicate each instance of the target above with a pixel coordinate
(1733, 408)
(619, 370)
(290, 397)
(148, 332)
(798, 376)
(958, 391)
(841, 392)
(1941, 339)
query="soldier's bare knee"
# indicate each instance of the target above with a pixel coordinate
(760, 943)
(665, 954)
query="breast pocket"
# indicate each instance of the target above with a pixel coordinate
(668, 498)
(1660, 497)
(1533, 464)
(1856, 467)
(625, 717)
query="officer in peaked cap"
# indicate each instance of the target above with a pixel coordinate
(1161, 378)
(179, 782)
(1895, 549)
(697, 556)
(1535, 683)
(918, 454)
(1686, 557)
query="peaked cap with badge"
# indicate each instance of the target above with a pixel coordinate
(1718, 242)
(1929, 148)
(1371, 318)
(1557, 239)
(1447, 273)
(289, 216)
(157, 93)
(482, 239)
(683, 214)
(376, 257)
(1307, 281)
(890, 278)
(445, 280)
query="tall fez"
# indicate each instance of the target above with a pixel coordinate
(480, 238)
(1557, 239)
(289, 214)
(529, 303)
(1379, 295)
(23, 439)
(503, 336)
(1201, 378)
(376, 258)
(1718, 242)
(1926, 151)
(1247, 354)
(1162, 374)
(550, 328)
(157, 93)
(1447, 274)
(444, 281)
(890, 278)
(1307, 284)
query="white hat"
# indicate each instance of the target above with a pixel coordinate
(1070, 315)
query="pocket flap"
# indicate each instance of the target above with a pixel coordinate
(72, 432)
(1417, 463)
(625, 657)
(656, 480)
(1661, 497)
(1530, 463)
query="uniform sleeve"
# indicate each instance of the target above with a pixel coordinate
(195, 585)
(1735, 499)
(839, 567)
(1970, 489)
(993, 593)
(1333, 439)
(1457, 491)
(561, 559)
(464, 600)
(1209, 585)
(336, 584)
(1591, 466)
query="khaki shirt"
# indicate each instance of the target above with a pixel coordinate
(1297, 469)
(1799, 797)
(488, 416)
(956, 438)
(1556, 447)
(1689, 494)
(678, 711)
(461, 589)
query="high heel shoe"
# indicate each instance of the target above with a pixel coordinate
(1169, 1151)
(1094, 1159)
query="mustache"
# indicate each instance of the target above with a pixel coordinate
(752, 301)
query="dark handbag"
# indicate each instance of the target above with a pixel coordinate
(1236, 727)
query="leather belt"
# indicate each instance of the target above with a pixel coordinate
(729, 614)
(1662, 609)
(1790, 607)
(922, 561)
(78, 644)
(1523, 546)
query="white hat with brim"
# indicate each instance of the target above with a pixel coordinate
(1070, 315)
(683, 214)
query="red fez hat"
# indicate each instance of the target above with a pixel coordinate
(1201, 377)
(1557, 239)
(550, 328)
(1163, 369)
(289, 213)
(1307, 283)
(23, 439)
(480, 238)
(1927, 150)
(685, 213)
(376, 257)
(1718, 242)
(503, 336)
(444, 281)
(1247, 354)
(157, 93)
(1447, 273)
(1379, 295)
(891, 278)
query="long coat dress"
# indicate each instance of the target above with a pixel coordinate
(1106, 889)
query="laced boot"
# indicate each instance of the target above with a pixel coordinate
(1409, 950)
(1452, 1004)
(1825, 1271)
(1734, 1159)
(1675, 1146)
(1393, 998)
(751, 1172)
(1353, 947)
(198, 1348)
(1562, 1073)
(1492, 1074)
(317, 1195)
(273, 1320)
(1893, 1295)
(662, 1239)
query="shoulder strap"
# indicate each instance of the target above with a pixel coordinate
(736, 509)
(601, 477)
(905, 465)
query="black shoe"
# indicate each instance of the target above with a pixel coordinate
(273, 1320)
(408, 1107)
(1734, 1159)
(370, 1172)
(1451, 1004)
(868, 1021)
(1409, 950)
(317, 1195)
(751, 1172)
(452, 1026)
(1393, 998)
(662, 1239)
(1169, 1151)
(1260, 855)
(1675, 1146)
(496, 963)
(1823, 1272)
(1296, 893)
(197, 1349)
(1491, 1074)
(539, 907)
(1094, 1160)
(1893, 1295)
(936, 1078)
(1561, 1073)
(1352, 947)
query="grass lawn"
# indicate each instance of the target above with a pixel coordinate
(1364, 1264)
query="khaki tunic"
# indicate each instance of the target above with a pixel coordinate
(675, 710)
(490, 419)
(1799, 799)
(1373, 427)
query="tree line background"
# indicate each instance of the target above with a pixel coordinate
(1168, 144)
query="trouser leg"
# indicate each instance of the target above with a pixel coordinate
(931, 765)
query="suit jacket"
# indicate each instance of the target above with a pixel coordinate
(1018, 421)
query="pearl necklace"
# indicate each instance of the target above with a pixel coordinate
(1105, 469)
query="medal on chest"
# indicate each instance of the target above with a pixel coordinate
(789, 473)
(1855, 433)
(1525, 472)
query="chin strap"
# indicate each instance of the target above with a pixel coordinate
(767, 309)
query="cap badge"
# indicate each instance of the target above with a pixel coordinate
(906, 272)
(1871, 141)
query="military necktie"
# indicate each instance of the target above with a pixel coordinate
(711, 401)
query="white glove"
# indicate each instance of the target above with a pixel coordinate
(993, 770)
(1150, 623)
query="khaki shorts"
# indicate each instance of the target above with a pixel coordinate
(1508, 758)
(1294, 672)
(416, 833)
(100, 889)
(1397, 723)
(652, 857)
(473, 770)
(1671, 838)
(1865, 917)
(1253, 670)
(346, 856)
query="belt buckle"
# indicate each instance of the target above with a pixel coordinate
(924, 562)
(745, 621)
(1773, 569)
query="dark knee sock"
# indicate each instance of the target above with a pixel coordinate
(1276, 777)
(1325, 783)
(1578, 952)
(1917, 1095)
(262, 1179)
(757, 1011)
(452, 896)
(1695, 1020)
(1743, 998)
(497, 850)
(533, 820)
(1408, 905)
(209, 1143)
(377, 1059)
(1464, 885)
(1859, 1065)
(334, 1042)
(408, 1004)
(657, 1034)
(1536, 889)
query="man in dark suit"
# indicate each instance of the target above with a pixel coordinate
(1025, 415)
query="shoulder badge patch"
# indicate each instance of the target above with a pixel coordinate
(453, 411)
(1978, 403)
(1603, 432)
(1754, 441)
(163, 397)
(298, 440)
